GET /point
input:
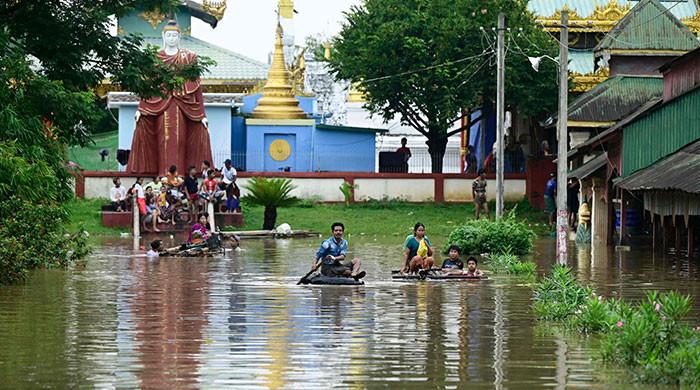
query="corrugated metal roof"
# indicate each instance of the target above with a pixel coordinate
(584, 8)
(229, 65)
(649, 26)
(619, 125)
(679, 171)
(590, 167)
(581, 62)
(615, 98)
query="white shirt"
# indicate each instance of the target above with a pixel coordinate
(229, 174)
(117, 194)
(139, 191)
(152, 253)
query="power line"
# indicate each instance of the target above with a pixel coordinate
(448, 63)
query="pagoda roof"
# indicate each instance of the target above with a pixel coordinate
(602, 15)
(648, 27)
(230, 66)
(611, 100)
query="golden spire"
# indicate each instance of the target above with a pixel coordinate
(278, 101)
(286, 8)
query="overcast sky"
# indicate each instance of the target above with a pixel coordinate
(248, 26)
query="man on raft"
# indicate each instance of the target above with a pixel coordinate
(332, 256)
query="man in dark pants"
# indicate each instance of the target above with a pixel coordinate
(332, 254)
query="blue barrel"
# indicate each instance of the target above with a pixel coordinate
(634, 220)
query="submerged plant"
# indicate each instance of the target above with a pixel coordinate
(510, 264)
(650, 338)
(559, 295)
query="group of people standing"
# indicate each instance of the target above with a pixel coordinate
(165, 198)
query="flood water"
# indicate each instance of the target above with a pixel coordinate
(239, 321)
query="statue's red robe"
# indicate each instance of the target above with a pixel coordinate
(170, 130)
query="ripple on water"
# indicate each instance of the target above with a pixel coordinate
(241, 321)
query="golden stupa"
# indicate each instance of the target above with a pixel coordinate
(278, 101)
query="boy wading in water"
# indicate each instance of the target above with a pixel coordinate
(332, 254)
(453, 263)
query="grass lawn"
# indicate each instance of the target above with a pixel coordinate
(374, 219)
(88, 158)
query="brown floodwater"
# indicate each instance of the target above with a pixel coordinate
(239, 321)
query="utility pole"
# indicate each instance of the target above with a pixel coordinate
(500, 113)
(563, 139)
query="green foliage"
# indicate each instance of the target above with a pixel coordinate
(347, 190)
(32, 236)
(653, 340)
(74, 47)
(510, 264)
(426, 60)
(559, 295)
(504, 235)
(650, 338)
(268, 192)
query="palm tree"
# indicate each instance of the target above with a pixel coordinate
(270, 193)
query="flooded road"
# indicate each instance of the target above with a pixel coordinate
(240, 321)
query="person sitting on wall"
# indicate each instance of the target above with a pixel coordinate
(191, 187)
(151, 209)
(209, 191)
(117, 195)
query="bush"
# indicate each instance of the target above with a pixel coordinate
(653, 340)
(649, 338)
(510, 264)
(32, 236)
(504, 235)
(559, 295)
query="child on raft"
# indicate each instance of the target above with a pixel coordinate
(453, 262)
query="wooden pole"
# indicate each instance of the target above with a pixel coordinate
(212, 220)
(563, 139)
(690, 241)
(653, 232)
(500, 113)
(137, 222)
(678, 237)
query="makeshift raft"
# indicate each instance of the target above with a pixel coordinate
(213, 246)
(320, 279)
(434, 275)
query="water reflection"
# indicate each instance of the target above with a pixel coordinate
(241, 322)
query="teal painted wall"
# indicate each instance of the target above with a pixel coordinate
(662, 132)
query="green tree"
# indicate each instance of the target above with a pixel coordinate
(427, 60)
(271, 194)
(52, 55)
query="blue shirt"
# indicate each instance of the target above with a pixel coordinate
(333, 248)
(551, 188)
